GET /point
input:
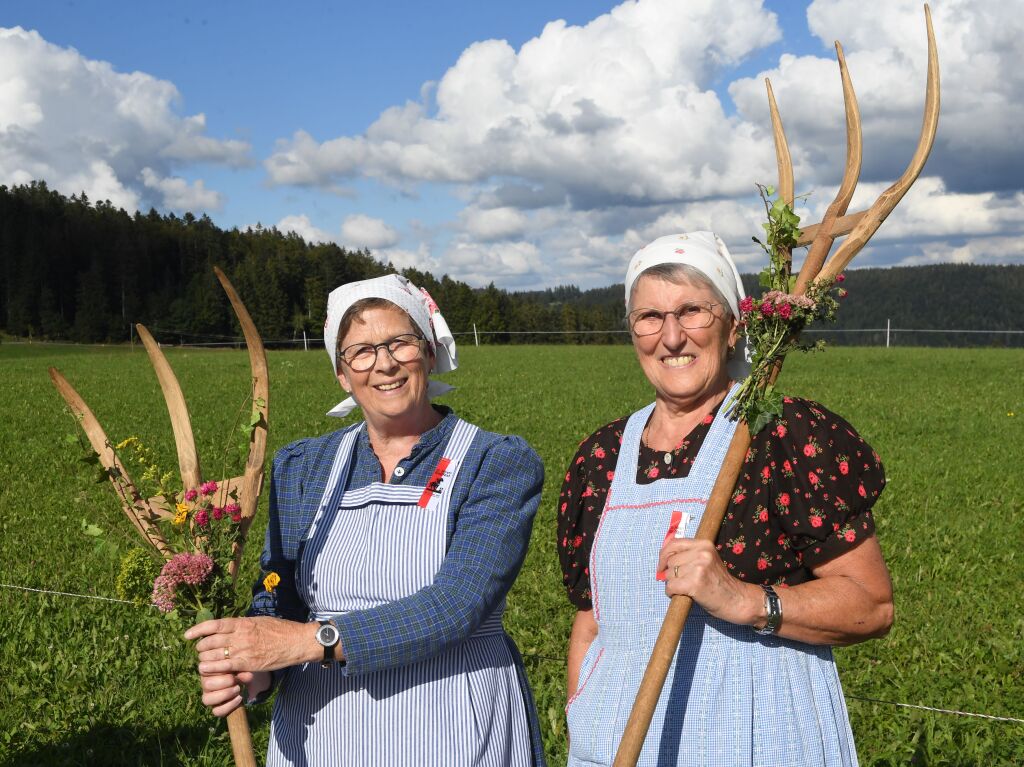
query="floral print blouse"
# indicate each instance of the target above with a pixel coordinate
(804, 496)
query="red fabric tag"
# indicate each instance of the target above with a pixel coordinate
(677, 517)
(434, 484)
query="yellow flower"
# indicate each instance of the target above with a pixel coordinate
(182, 513)
(125, 442)
(271, 581)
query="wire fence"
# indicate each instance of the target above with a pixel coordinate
(562, 661)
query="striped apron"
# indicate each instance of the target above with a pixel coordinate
(732, 698)
(365, 548)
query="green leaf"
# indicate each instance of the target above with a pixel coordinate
(204, 615)
(91, 530)
(769, 190)
(255, 418)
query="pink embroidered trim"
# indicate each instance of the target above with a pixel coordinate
(581, 685)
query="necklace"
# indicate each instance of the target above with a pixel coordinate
(667, 457)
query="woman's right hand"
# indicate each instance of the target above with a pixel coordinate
(222, 693)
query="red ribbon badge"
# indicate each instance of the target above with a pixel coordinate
(434, 483)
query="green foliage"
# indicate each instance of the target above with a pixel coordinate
(135, 580)
(89, 682)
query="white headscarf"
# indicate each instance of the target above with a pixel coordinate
(415, 302)
(706, 253)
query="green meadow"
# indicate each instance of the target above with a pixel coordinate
(88, 682)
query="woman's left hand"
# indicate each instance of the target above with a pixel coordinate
(229, 645)
(693, 568)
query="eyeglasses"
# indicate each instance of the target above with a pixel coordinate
(362, 357)
(692, 315)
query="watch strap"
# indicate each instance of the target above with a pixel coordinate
(773, 608)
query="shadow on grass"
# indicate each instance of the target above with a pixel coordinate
(119, 746)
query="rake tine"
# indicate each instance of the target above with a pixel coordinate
(826, 235)
(188, 458)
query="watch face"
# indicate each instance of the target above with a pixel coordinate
(327, 635)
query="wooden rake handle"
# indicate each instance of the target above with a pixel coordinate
(667, 643)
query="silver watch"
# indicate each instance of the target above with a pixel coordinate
(328, 636)
(773, 607)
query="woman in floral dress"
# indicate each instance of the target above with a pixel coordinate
(795, 570)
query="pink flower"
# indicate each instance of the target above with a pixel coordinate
(809, 450)
(767, 309)
(190, 569)
(235, 511)
(191, 495)
(599, 453)
(208, 488)
(163, 593)
(787, 466)
(812, 478)
(763, 515)
(577, 541)
(653, 472)
(844, 467)
(861, 491)
(785, 311)
(762, 564)
(850, 536)
(202, 518)
(579, 460)
(815, 521)
(780, 430)
(747, 305)
(610, 475)
(784, 499)
(737, 548)
(840, 278)
(218, 512)
(843, 293)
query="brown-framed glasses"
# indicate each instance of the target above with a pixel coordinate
(693, 315)
(362, 357)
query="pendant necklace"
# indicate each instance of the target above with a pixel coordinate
(667, 457)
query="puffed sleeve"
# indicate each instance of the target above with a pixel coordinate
(484, 556)
(823, 479)
(580, 503)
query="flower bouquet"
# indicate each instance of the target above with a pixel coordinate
(772, 323)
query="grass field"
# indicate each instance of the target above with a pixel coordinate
(90, 682)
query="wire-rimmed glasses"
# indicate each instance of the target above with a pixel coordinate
(693, 315)
(362, 357)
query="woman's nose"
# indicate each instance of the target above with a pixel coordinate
(672, 333)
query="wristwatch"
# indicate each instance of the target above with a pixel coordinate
(773, 607)
(328, 636)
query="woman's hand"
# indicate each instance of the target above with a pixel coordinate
(222, 693)
(693, 568)
(231, 645)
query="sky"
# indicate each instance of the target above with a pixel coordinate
(529, 144)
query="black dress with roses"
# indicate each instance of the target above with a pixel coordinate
(804, 496)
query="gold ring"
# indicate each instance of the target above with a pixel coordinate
(675, 574)
(227, 653)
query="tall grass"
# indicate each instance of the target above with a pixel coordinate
(91, 682)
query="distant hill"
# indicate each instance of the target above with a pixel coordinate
(72, 269)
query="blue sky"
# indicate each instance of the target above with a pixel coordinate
(560, 179)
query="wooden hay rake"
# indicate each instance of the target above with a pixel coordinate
(144, 513)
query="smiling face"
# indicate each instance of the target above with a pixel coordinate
(686, 367)
(390, 389)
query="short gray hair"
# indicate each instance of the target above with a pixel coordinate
(680, 274)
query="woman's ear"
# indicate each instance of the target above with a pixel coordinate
(343, 379)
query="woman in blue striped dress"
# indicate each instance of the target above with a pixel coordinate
(393, 543)
(796, 567)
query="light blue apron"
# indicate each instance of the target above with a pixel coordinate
(732, 698)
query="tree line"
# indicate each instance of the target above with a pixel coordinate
(76, 270)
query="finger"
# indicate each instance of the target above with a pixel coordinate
(220, 697)
(215, 626)
(217, 653)
(674, 546)
(227, 708)
(221, 666)
(214, 682)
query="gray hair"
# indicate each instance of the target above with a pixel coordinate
(681, 274)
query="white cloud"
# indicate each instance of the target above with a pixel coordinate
(587, 142)
(82, 126)
(179, 195)
(359, 231)
(302, 226)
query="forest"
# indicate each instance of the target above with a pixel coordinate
(76, 270)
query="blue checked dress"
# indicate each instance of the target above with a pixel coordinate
(732, 698)
(379, 546)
